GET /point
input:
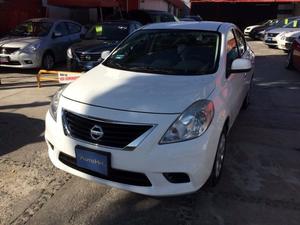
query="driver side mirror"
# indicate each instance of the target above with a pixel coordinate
(57, 34)
(241, 66)
(105, 54)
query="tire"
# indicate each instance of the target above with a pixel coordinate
(289, 61)
(48, 61)
(219, 159)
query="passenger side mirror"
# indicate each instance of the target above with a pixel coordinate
(241, 66)
(57, 34)
(105, 54)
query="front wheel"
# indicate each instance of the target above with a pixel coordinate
(48, 61)
(219, 160)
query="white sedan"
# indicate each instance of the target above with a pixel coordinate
(286, 39)
(153, 118)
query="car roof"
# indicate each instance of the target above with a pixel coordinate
(198, 25)
(52, 20)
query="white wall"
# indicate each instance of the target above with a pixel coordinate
(154, 5)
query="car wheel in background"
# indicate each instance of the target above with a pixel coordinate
(48, 61)
(289, 61)
(219, 159)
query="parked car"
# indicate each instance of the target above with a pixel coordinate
(248, 29)
(154, 116)
(293, 58)
(259, 32)
(286, 39)
(38, 43)
(272, 36)
(86, 54)
(150, 16)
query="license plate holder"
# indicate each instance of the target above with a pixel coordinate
(92, 160)
(4, 59)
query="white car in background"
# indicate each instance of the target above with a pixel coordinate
(247, 30)
(286, 39)
(272, 36)
(154, 116)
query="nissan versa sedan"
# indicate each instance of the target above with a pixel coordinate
(154, 116)
(38, 43)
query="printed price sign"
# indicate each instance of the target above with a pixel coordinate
(67, 77)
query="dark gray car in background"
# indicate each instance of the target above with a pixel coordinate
(86, 54)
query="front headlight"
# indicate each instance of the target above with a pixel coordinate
(55, 101)
(192, 123)
(69, 53)
(32, 48)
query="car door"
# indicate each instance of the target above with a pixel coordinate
(296, 53)
(234, 81)
(60, 41)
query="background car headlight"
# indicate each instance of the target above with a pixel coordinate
(31, 48)
(55, 101)
(69, 53)
(192, 123)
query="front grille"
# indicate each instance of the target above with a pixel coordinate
(120, 176)
(12, 63)
(272, 34)
(8, 51)
(116, 135)
(88, 57)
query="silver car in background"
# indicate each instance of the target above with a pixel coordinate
(39, 43)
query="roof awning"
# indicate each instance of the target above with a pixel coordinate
(245, 1)
(84, 3)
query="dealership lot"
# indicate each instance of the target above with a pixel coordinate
(260, 183)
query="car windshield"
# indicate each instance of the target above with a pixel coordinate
(29, 28)
(170, 52)
(108, 32)
(293, 24)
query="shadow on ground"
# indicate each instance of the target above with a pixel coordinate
(17, 130)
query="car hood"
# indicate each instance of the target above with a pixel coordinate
(280, 30)
(17, 42)
(94, 45)
(293, 33)
(139, 92)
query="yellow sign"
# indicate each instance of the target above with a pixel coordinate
(295, 23)
(98, 29)
(286, 21)
(29, 28)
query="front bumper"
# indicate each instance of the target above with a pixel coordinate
(22, 60)
(194, 158)
(76, 65)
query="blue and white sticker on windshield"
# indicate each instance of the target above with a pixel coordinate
(119, 56)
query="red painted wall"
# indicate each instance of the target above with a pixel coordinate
(14, 12)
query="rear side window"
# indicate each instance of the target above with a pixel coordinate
(62, 28)
(74, 28)
(241, 42)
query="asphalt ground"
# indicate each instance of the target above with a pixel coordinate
(259, 186)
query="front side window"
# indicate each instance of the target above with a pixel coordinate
(241, 42)
(232, 50)
(30, 28)
(174, 52)
(62, 29)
